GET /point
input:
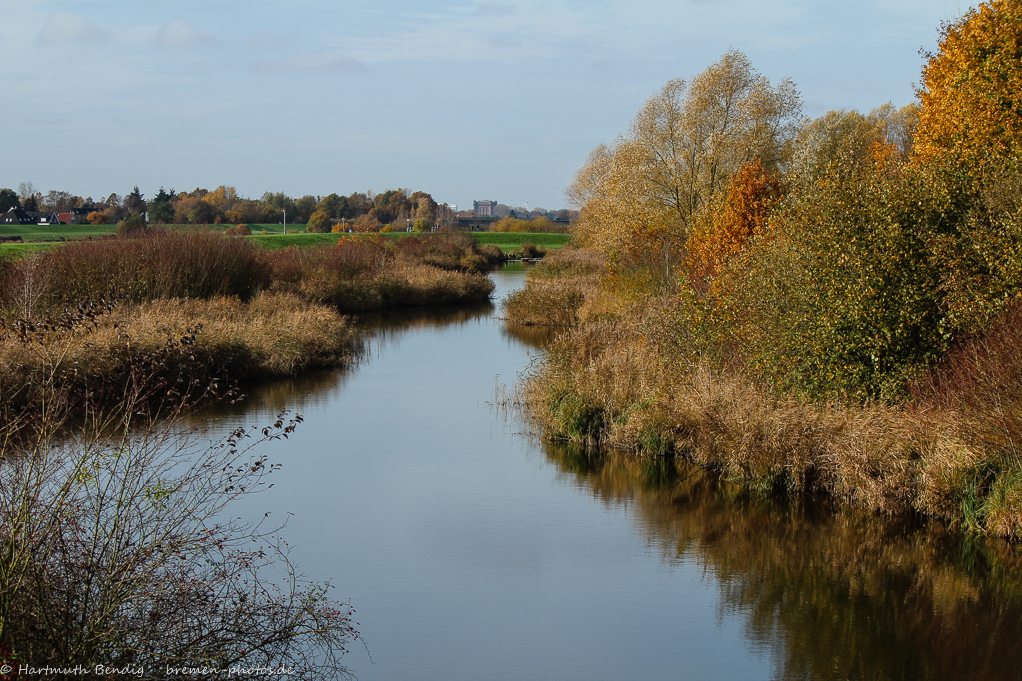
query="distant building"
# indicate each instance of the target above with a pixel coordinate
(16, 216)
(44, 218)
(483, 208)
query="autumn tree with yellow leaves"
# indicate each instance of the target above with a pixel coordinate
(971, 91)
(640, 197)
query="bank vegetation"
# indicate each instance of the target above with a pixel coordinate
(811, 306)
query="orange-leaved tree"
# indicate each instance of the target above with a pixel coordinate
(751, 195)
(971, 92)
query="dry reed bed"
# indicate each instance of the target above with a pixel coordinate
(949, 453)
(273, 335)
(253, 313)
(557, 290)
(360, 273)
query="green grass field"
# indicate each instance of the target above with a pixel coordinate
(36, 238)
(512, 241)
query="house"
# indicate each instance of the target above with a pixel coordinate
(481, 208)
(40, 218)
(72, 218)
(16, 216)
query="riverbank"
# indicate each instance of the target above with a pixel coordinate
(204, 308)
(619, 376)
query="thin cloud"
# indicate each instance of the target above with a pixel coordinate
(310, 63)
(326, 61)
(67, 28)
(268, 40)
(492, 9)
(178, 34)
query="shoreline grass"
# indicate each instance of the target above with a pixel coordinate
(621, 378)
(556, 290)
(96, 358)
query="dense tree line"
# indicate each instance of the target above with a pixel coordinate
(223, 205)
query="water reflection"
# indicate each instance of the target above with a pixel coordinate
(833, 595)
(473, 553)
(531, 335)
(408, 318)
(311, 390)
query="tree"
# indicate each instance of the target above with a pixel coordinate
(134, 203)
(425, 206)
(161, 207)
(743, 213)
(971, 91)
(202, 213)
(280, 202)
(25, 190)
(61, 202)
(8, 200)
(319, 222)
(367, 223)
(222, 198)
(640, 197)
(690, 139)
(445, 217)
(333, 205)
(358, 205)
(844, 140)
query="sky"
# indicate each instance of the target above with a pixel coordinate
(465, 100)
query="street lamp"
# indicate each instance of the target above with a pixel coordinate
(285, 220)
(409, 222)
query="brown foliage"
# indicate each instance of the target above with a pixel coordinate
(162, 264)
(633, 380)
(751, 195)
(319, 222)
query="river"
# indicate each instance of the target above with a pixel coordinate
(472, 551)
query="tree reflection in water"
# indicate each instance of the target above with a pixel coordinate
(833, 594)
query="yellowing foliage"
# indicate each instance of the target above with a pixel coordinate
(222, 198)
(751, 195)
(641, 197)
(972, 90)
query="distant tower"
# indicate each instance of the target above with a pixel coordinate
(481, 208)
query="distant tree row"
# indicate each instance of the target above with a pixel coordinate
(523, 213)
(223, 205)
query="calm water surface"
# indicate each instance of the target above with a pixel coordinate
(473, 551)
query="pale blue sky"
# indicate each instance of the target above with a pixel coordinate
(466, 100)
